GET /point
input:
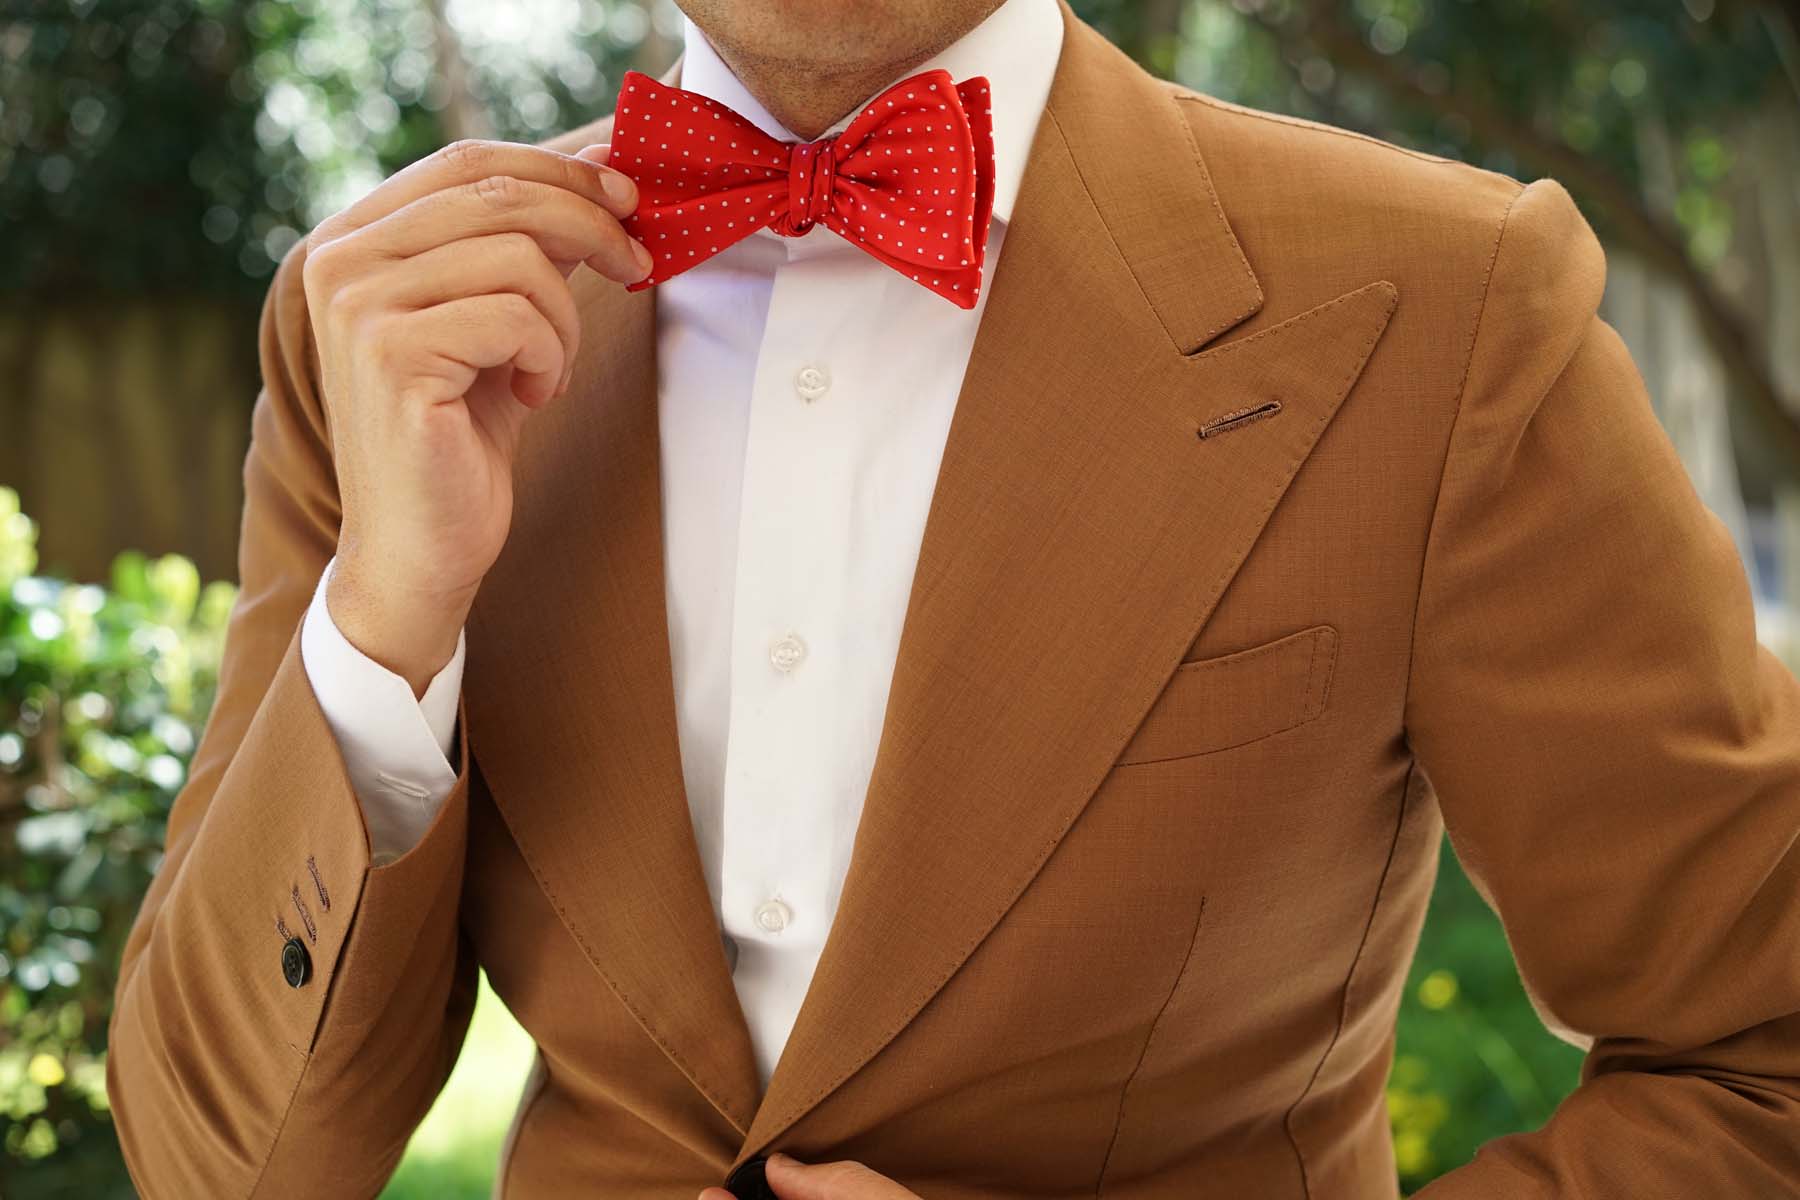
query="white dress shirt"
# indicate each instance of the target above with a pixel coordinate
(804, 394)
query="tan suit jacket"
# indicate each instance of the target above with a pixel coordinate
(1296, 506)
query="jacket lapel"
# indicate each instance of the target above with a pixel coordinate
(571, 710)
(1080, 534)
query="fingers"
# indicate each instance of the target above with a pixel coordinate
(563, 224)
(470, 160)
(450, 343)
(498, 262)
(599, 152)
(793, 1180)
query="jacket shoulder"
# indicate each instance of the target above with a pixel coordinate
(1315, 193)
(1234, 137)
(1319, 210)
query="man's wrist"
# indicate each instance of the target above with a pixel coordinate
(412, 634)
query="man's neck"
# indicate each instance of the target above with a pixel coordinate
(809, 100)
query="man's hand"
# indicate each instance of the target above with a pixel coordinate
(794, 1180)
(443, 317)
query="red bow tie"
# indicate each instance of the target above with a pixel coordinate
(911, 180)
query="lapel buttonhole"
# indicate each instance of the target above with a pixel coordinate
(1237, 417)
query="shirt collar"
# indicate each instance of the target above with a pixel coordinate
(1016, 47)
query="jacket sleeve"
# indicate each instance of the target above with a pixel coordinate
(225, 1080)
(1616, 757)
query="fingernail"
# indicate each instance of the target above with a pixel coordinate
(618, 188)
(781, 1158)
(595, 152)
(639, 252)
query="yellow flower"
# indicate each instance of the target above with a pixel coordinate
(1437, 989)
(45, 1070)
(1412, 1153)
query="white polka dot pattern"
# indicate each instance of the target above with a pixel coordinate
(910, 180)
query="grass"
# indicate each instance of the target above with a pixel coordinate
(453, 1154)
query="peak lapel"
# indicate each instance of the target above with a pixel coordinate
(571, 711)
(1080, 535)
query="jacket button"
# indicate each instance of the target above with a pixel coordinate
(296, 963)
(748, 1181)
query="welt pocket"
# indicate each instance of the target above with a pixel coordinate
(1230, 699)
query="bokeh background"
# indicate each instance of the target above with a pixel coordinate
(157, 157)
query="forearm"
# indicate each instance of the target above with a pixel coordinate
(225, 1079)
(1687, 1132)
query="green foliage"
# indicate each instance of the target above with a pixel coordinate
(103, 693)
(455, 1150)
(231, 126)
(1649, 93)
(1472, 1061)
(118, 116)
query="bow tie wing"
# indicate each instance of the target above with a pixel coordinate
(706, 176)
(910, 180)
(915, 181)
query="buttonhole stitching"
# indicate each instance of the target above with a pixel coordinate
(1237, 417)
(312, 931)
(324, 896)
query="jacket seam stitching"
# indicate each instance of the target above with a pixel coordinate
(1212, 196)
(1287, 1118)
(1144, 1050)
(1213, 102)
(286, 1112)
(1087, 191)
(1462, 388)
(705, 1085)
(1186, 754)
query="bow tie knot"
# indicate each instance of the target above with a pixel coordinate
(812, 169)
(909, 181)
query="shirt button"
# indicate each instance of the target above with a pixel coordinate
(811, 382)
(296, 963)
(787, 652)
(773, 916)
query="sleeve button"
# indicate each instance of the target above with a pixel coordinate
(296, 963)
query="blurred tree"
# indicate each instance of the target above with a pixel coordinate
(159, 155)
(1638, 106)
(226, 127)
(119, 117)
(163, 155)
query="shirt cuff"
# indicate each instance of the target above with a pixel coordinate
(395, 746)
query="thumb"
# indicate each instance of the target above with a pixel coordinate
(794, 1180)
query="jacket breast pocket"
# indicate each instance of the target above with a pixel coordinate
(1230, 699)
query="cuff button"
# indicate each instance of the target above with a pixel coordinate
(296, 963)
